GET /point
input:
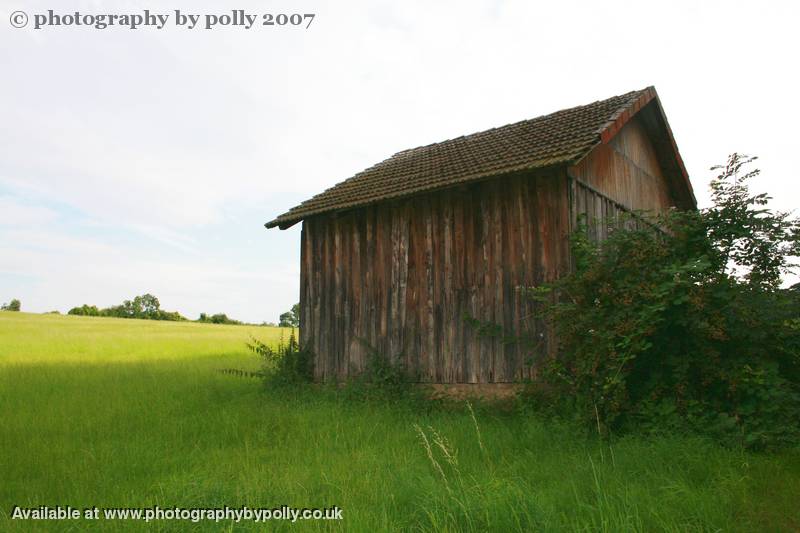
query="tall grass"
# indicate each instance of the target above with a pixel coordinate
(106, 412)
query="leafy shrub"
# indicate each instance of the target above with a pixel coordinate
(381, 379)
(286, 364)
(685, 328)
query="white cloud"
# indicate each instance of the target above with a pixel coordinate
(13, 213)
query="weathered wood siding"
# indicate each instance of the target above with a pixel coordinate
(600, 213)
(402, 275)
(627, 170)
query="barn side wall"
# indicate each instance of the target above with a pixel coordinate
(399, 278)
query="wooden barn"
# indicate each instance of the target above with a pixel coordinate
(396, 256)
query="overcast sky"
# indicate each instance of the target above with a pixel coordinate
(148, 160)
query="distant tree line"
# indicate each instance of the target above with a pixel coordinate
(145, 307)
(148, 307)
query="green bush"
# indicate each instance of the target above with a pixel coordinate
(685, 328)
(286, 364)
(381, 379)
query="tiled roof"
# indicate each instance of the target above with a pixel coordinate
(563, 137)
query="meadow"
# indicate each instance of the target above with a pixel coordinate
(130, 413)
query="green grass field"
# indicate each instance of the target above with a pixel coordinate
(114, 413)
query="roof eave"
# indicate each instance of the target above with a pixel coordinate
(280, 224)
(286, 221)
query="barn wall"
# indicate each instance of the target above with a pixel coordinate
(600, 213)
(627, 170)
(402, 275)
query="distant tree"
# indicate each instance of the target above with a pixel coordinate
(291, 318)
(84, 310)
(222, 318)
(147, 306)
(285, 320)
(173, 316)
(124, 310)
(13, 305)
(219, 318)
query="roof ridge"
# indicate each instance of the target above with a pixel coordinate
(525, 121)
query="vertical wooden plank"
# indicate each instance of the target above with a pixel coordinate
(532, 254)
(319, 300)
(304, 322)
(336, 330)
(321, 271)
(522, 277)
(327, 302)
(448, 310)
(430, 346)
(308, 293)
(402, 280)
(484, 294)
(394, 323)
(436, 270)
(457, 234)
(564, 195)
(471, 243)
(478, 264)
(412, 334)
(359, 284)
(498, 269)
(381, 267)
(347, 290)
(541, 259)
(369, 282)
(510, 277)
